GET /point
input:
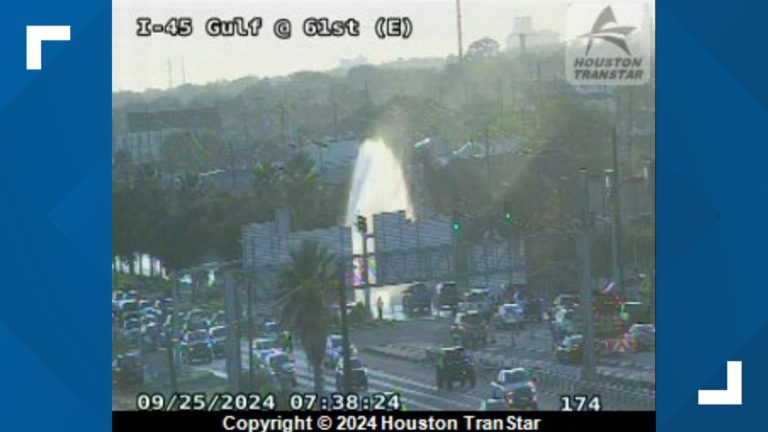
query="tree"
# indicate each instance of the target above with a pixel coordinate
(485, 47)
(300, 182)
(268, 188)
(306, 291)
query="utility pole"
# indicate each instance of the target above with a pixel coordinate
(362, 227)
(652, 273)
(175, 355)
(585, 257)
(585, 250)
(366, 282)
(335, 119)
(183, 73)
(170, 75)
(149, 126)
(171, 363)
(234, 318)
(282, 132)
(232, 165)
(488, 168)
(344, 325)
(489, 220)
(249, 306)
(618, 271)
(500, 91)
(458, 29)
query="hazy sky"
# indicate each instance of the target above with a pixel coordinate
(143, 62)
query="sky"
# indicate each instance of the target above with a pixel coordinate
(160, 60)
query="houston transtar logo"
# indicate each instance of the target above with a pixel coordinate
(612, 52)
(602, 30)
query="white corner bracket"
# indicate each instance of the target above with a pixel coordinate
(732, 393)
(35, 37)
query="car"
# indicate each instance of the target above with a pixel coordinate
(196, 347)
(635, 313)
(469, 329)
(517, 387)
(150, 337)
(482, 298)
(263, 346)
(358, 380)
(118, 296)
(564, 323)
(128, 307)
(165, 304)
(467, 306)
(150, 310)
(493, 405)
(334, 350)
(197, 315)
(197, 324)
(132, 337)
(454, 364)
(569, 349)
(218, 336)
(132, 323)
(417, 299)
(566, 301)
(447, 295)
(642, 337)
(127, 370)
(532, 309)
(509, 315)
(149, 319)
(279, 368)
(143, 304)
(270, 330)
(219, 318)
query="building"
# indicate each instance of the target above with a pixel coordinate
(523, 32)
(334, 160)
(349, 63)
(146, 131)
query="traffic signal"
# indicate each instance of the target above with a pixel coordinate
(509, 215)
(456, 223)
(362, 224)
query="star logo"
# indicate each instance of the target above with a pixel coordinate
(606, 28)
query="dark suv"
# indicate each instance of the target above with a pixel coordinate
(196, 347)
(454, 364)
(447, 295)
(469, 329)
(417, 299)
(358, 380)
(127, 370)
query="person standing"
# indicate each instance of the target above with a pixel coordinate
(380, 308)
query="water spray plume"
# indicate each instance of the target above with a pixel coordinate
(378, 183)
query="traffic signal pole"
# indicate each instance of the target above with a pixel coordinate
(342, 300)
(584, 247)
(588, 347)
(344, 330)
(362, 228)
(249, 311)
(366, 282)
(615, 197)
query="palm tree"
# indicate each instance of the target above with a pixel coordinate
(305, 293)
(300, 182)
(268, 188)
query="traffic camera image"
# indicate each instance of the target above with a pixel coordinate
(372, 206)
